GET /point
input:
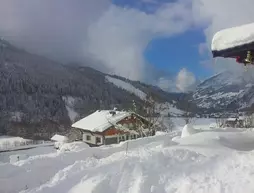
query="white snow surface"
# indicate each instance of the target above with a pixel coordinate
(74, 146)
(100, 120)
(232, 37)
(126, 86)
(213, 161)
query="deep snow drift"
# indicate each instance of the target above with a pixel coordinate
(204, 162)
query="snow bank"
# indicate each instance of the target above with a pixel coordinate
(74, 146)
(233, 37)
(160, 133)
(188, 130)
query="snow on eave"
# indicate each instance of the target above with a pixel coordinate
(233, 37)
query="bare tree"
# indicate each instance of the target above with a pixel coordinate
(74, 135)
(188, 115)
(220, 122)
(154, 114)
(249, 120)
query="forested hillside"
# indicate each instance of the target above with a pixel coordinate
(39, 97)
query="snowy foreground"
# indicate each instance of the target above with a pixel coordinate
(207, 162)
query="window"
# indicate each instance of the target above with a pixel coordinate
(88, 137)
(98, 140)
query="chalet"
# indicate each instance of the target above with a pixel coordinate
(235, 122)
(105, 127)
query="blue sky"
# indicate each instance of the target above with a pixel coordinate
(181, 51)
(171, 54)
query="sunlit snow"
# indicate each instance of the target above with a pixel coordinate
(209, 161)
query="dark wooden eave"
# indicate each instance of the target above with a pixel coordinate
(234, 51)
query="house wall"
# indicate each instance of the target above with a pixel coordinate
(131, 121)
(92, 138)
(112, 131)
(113, 136)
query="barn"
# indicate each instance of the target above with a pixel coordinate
(104, 127)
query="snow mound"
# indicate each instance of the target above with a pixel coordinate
(74, 146)
(188, 130)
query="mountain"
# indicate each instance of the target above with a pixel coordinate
(39, 97)
(226, 91)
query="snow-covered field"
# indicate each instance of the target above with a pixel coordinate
(203, 162)
(7, 142)
(5, 156)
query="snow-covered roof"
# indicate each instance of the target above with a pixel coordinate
(233, 37)
(231, 119)
(59, 138)
(241, 118)
(99, 121)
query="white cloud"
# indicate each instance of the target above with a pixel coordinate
(120, 36)
(71, 30)
(53, 28)
(185, 80)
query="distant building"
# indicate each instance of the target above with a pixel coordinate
(59, 138)
(235, 122)
(105, 127)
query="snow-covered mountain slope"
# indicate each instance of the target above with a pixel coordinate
(226, 89)
(209, 162)
(165, 108)
(126, 86)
